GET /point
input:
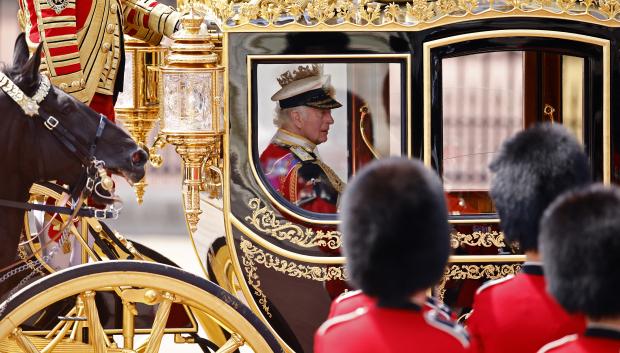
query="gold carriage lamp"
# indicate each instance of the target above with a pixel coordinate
(192, 107)
(137, 106)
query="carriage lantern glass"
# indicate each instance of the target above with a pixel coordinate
(192, 107)
(137, 106)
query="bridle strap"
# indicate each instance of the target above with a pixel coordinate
(82, 212)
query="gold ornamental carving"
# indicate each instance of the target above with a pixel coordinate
(416, 13)
(253, 256)
(264, 220)
(481, 239)
(484, 271)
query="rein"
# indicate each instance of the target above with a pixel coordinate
(92, 167)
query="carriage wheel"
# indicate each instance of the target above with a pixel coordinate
(137, 283)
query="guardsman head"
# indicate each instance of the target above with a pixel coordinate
(531, 169)
(395, 228)
(305, 101)
(580, 241)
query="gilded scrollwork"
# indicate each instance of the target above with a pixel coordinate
(253, 255)
(254, 282)
(482, 239)
(264, 13)
(477, 271)
(264, 220)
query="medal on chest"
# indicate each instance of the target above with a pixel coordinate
(58, 5)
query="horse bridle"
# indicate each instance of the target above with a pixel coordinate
(92, 168)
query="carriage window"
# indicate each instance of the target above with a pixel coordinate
(488, 98)
(319, 122)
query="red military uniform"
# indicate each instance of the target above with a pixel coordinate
(284, 163)
(596, 339)
(83, 45)
(515, 314)
(373, 328)
(352, 300)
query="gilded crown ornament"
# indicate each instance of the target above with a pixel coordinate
(301, 73)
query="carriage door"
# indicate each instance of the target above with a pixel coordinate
(483, 91)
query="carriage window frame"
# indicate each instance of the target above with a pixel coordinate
(435, 51)
(252, 61)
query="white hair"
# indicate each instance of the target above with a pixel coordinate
(281, 116)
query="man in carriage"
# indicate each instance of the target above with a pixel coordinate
(291, 161)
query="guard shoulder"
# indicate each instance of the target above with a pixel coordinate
(441, 308)
(493, 282)
(438, 321)
(557, 343)
(340, 319)
(347, 295)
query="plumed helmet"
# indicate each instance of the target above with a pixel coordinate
(580, 243)
(395, 228)
(531, 169)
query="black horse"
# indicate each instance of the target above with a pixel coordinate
(30, 152)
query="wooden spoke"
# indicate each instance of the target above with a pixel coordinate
(96, 335)
(129, 313)
(23, 342)
(60, 324)
(161, 317)
(234, 342)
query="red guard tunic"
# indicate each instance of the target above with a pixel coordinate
(596, 339)
(515, 314)
(373, 328)
(82, 43)
(282, 162)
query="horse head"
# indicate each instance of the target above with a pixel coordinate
(41, 155)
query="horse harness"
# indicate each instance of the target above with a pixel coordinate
(92, 168)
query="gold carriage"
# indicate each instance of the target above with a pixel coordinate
(443, 81)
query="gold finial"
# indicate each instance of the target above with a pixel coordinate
(301, 73)
(191, 21)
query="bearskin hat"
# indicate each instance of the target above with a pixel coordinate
(580, 243)
(395, 228)
(531, 169)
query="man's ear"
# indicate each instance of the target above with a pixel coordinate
(20, 51)
(297, 119)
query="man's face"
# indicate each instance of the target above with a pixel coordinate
(315, 124)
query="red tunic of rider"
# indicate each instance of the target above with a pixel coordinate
(515, 314)
(83, 43)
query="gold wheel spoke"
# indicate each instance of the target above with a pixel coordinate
(60, 324)
(96, 335)
(23, 342)
(234, 342)
(159, 324)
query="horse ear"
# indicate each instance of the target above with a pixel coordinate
(31, 68)
(20, 52)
